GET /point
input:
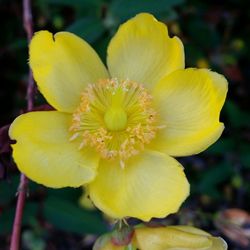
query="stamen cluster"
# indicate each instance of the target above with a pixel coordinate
(116, 118)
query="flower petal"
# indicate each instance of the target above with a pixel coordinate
(142, 51)
(177, 237)
(43, 151)
(189, 102)
(217, 243)
(63, 65)
(170, 238)
(151, 184)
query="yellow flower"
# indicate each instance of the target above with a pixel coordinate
(165, 238)
(115, 131)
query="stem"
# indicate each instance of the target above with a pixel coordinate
(15, 237)
(22, 189)
(28, 26)
(30, 92)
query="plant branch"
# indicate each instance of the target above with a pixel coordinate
(22, 189)
(16, 231)
(28, 26)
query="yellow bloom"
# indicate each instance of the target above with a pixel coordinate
(115, 130)
(166, 238)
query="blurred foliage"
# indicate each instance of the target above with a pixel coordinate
(215, 35)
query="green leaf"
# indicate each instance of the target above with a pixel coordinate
(244, 155)
(203, 34)
(32, 241)
(124, 9)
(169, 15)
(68, 217)
(18, 44)
(69, 194)
(237, 117)
(101, 47)
(82, 3)
(7, 217)
(8, 190)
(222, 146)
(89, 28)
(214, 176)
(193, 53)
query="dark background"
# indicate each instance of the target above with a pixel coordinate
(216, 35)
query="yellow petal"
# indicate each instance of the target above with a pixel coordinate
(164, 238)
(189, 102)
(85, 202)
(43, 151)
(63, 65)
(151, 184)
(142, 51)
(190, 229)
(217, 243)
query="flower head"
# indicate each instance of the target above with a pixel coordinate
(115, 130)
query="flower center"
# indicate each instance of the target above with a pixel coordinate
(116, 118)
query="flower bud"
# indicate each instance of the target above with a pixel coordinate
(165, 238)
(177, 237)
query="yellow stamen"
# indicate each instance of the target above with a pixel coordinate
(116, 118)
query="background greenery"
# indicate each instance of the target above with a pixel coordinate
(214, 35)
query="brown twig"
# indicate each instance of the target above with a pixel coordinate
(22, 190)
(28, 26)
(16, 232)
